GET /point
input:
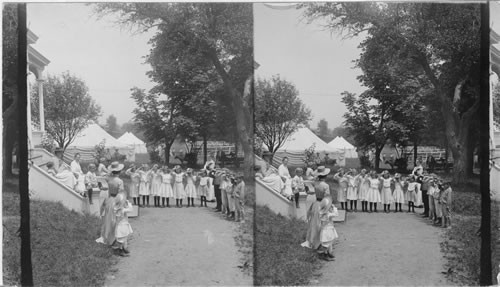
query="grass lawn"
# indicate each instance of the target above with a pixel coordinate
(462, 243)
(279, 258)
(64, 251)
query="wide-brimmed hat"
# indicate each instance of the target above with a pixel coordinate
(322, 171)
(116, 166)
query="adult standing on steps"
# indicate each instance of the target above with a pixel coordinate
(76, 169)
(285, 176)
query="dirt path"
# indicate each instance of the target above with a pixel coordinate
(386, 249)
(181, 246)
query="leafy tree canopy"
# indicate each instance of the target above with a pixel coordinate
(68, 107)
(278, 111)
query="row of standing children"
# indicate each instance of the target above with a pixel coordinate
(163, 184)
(376, 188)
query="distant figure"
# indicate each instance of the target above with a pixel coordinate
(117, 156)
(431, 163)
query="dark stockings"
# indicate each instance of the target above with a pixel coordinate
(89, 192)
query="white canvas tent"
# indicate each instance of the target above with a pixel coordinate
(348, 149)
(131, 140)
(295, 146)
(86, 141)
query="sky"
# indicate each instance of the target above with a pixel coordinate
(106, 56)
(317, 62)
(109, 58)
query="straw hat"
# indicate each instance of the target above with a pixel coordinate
(325, 204)
(322, 171)
(116, 166)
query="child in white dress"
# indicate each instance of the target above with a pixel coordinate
(179, 192)
(342, 192)
(328, 233)
(411, 193)
(123, 229)
(373, 195)
(363, 186)
(156, 180)
(297, 185)
(204, 186)
(166, 191)
(386, 193)
(133, 188)
(143, 184)
(398, 194)
(352, 189)
(190, 187)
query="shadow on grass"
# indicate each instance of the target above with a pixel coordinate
(279, 258)
(462, 242)
(64, 251)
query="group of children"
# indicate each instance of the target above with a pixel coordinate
(164, 184)
(372, 188)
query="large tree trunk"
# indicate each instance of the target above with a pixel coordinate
(168, 145)
(485, 276)
(471, 147)
(205, 152)
(378, 150)
(9, 139)
(415, 152)
(242, 105)
(457, 125)
(26, 264)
